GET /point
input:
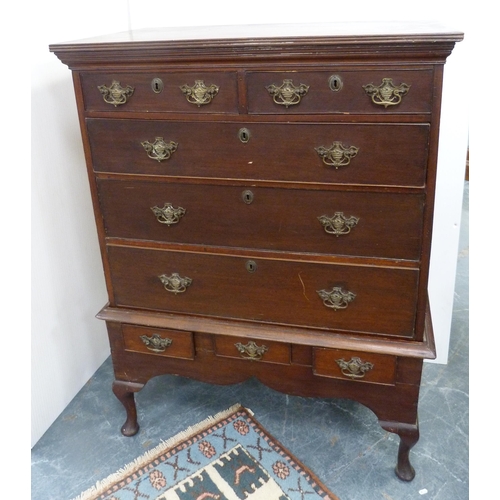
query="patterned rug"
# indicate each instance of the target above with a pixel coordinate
(226, 457)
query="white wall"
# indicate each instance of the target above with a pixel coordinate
(68, 343)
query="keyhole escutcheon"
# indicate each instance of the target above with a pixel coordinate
(157, 85)
(251, 266)
(335, 83)
(244, 135)
(247, 196)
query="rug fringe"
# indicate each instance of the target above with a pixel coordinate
(103, 485)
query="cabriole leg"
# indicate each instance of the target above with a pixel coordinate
(409, 435)
(124, 391)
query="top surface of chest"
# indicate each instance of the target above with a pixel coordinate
(237, 45)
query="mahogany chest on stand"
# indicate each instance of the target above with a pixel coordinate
(264, 203)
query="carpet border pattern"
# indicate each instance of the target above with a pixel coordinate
(149, 460)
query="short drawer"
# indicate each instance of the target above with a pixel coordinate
(189, 92)
(340, 298)
(382, 154)
(387, 225)
(340, 90)
(355, 366)
(160, 342)
(263, 351)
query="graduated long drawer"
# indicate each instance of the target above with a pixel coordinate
(386, 225)
(376, 154)
(368, 299)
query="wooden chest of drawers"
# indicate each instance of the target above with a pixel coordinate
(264, 205)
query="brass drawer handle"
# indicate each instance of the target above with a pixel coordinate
(175, 283)
(355, 368)
(115, 94)
(251, 350)
(159, 150)
(199, 93)
(287, 94)
(337, 155)
(168, 215)
(336, 298)
(156, 343)
(387, 94)
(338, 224)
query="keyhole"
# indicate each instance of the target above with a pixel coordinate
(244, 135)
(335, 83)
(251, 266)
(247, 196)
(157, 85)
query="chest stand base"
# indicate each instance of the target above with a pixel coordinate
(408, 433)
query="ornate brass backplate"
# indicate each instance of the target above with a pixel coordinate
(175, 283)
(337, 155)
(199, 93)
(336, 298)
(168, 215)
(159, 150)
(386, 94)
(156, 343)
(251, 350)
(355, 368)
(287, 94)
(338, 224)
(115, 94)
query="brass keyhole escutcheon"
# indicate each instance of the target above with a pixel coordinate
(251, 266)
(335, 83)
(157, 85)
(244, 135)
(247, 196)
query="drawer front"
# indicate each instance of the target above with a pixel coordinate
(263, 351)
(338, 91)
(354, 365)
(383, 154)
(338, 297)
(387, 225)
(159, 342)
(215, 92)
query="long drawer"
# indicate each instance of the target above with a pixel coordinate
(373, 154)
(335, 297)
(387, 225)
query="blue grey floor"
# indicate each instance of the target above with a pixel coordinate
(339, 440)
